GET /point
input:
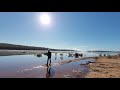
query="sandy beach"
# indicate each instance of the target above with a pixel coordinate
(105, 67)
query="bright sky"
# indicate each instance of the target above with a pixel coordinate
(68, 30)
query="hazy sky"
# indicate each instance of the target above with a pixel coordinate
(81, 30)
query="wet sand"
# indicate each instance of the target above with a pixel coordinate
(76, 68)
(105, 67)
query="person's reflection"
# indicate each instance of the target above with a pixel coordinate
(55, 56)
(61, 57)
(50, 72)
(70, 55)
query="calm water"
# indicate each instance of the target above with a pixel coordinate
(26, 65)
(9, 65)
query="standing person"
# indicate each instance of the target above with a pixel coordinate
(49, 57)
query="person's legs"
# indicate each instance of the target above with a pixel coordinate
(50, 61)
(47, 61)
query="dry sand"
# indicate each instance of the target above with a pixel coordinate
(105, 67)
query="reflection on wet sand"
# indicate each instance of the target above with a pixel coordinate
(55, 56)
(70, 55)
(50, 72)
(61, 57)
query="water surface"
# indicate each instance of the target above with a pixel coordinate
(32, 65)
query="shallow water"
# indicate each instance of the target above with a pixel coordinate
(70, 70)
(9, 65)
(21, 66)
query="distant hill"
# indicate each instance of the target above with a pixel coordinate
(101, 51)
(20, 47)
(23, 47)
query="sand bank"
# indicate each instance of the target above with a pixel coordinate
(105, 67)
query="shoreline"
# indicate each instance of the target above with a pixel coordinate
(103, 67)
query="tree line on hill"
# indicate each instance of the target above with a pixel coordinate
(23, 47)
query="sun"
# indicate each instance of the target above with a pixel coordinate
(45, 19)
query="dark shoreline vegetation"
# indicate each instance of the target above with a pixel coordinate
(6, 46)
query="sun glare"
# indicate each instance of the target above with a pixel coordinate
(45, 19)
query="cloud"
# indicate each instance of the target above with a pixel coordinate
(101, 49)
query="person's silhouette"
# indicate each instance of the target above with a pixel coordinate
(49, 58)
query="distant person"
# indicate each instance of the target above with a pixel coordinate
(49, 57)
(81, 55)
(76, 55)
